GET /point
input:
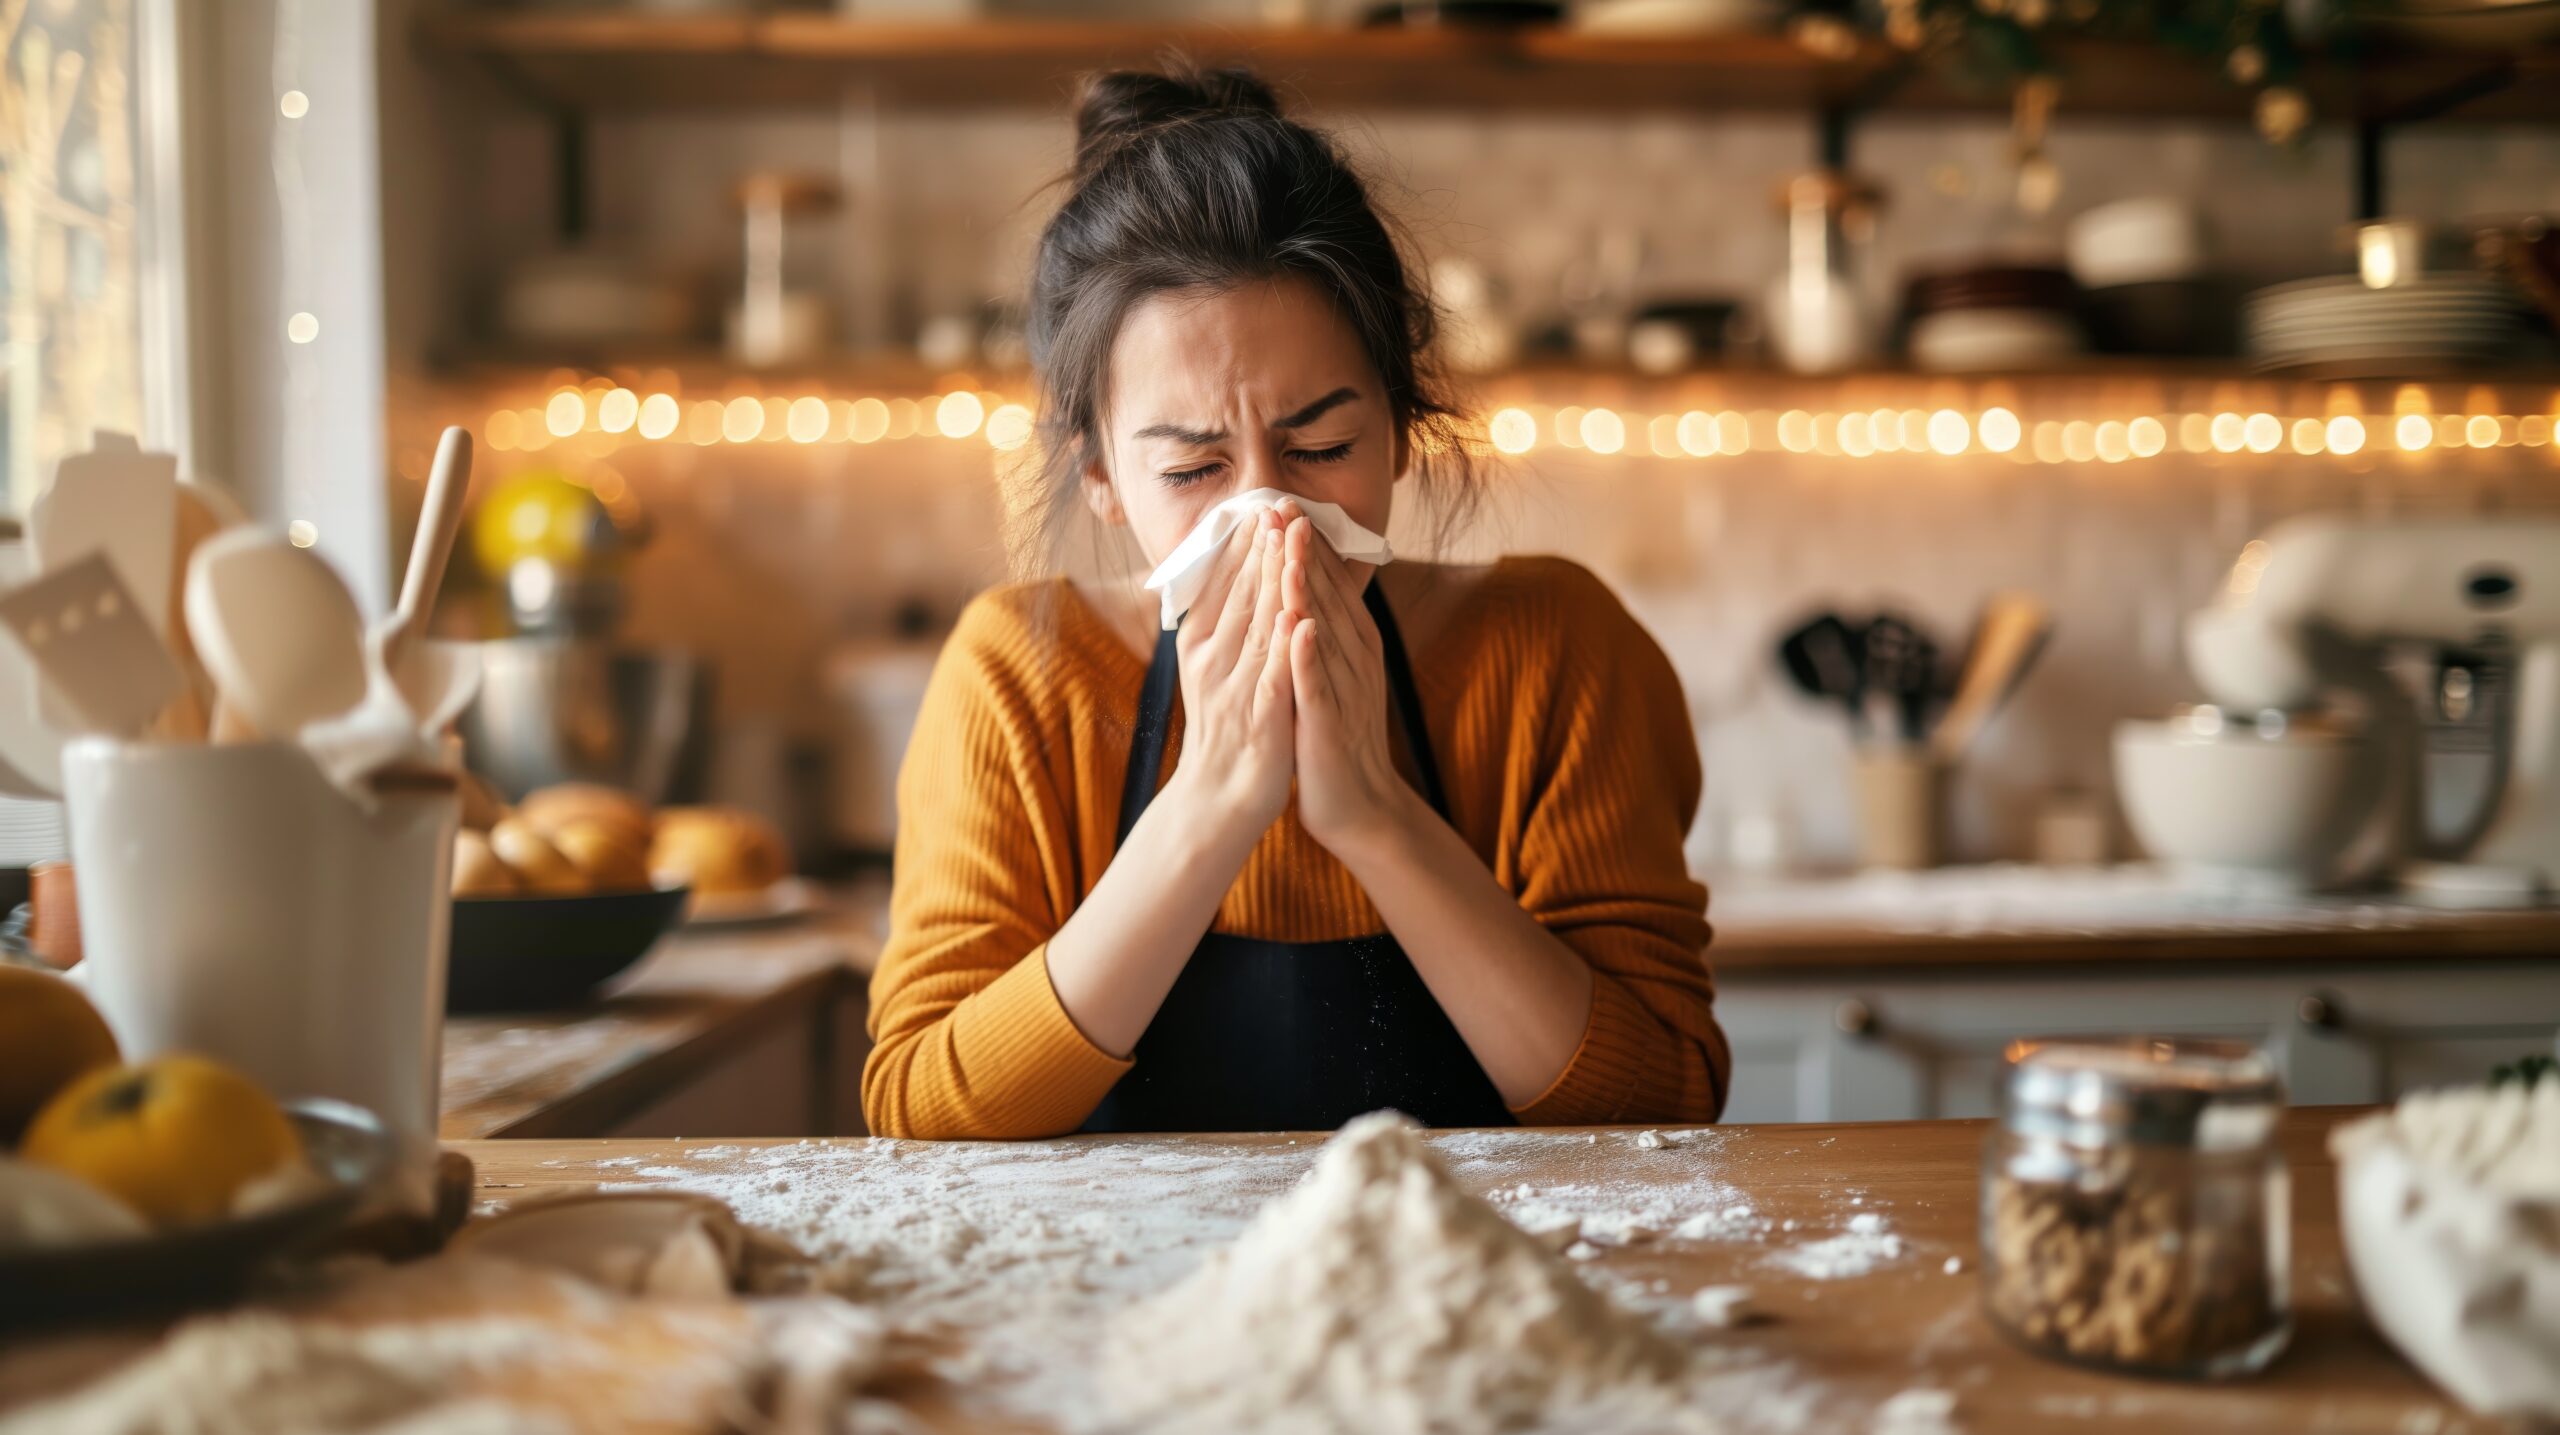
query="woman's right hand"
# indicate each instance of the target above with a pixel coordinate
(1239, 730)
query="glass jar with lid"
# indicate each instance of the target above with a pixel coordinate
(2135, 1208)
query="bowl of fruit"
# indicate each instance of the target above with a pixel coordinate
(158, 1185)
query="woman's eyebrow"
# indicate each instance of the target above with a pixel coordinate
(1180, 434)
(1300, 419)
(1318, 409)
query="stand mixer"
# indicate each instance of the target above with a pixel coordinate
(2308, 621)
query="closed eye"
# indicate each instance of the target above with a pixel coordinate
(1335, 454)
(1185, 477)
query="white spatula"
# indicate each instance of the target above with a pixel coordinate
(119, 502)
(91, 638)
(30, 747)
(277, 630)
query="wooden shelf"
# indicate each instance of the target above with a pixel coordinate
(620, 61)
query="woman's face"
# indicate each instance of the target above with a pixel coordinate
(1215, 392)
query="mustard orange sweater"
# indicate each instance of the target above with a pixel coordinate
(1570, 766)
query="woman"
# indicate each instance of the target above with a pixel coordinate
(1410, 836)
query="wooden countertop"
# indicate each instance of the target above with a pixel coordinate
(2002, 916)
(696, 1000)
(1852, 1342)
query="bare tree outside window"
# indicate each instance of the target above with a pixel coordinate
(68, 229)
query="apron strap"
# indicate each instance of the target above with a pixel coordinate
(1407, 696)
(1146, 744)
(1155, 717)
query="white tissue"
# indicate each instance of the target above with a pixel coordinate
(1179, 578)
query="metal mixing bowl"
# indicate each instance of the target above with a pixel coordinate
(577, 710)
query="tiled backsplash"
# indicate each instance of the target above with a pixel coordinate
(770, 554)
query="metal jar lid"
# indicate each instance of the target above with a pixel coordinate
(2195, 1093)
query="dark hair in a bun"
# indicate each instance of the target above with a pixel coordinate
(1193, 179)
(1119, 105)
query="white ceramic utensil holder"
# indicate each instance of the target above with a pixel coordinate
(233, 903)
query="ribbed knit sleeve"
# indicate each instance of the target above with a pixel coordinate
(1600, 864)
(969, 1039)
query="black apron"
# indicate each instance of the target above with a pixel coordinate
(1293, 1036)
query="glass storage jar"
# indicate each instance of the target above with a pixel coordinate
(2135, 1210)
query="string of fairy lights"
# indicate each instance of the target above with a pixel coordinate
(601, 414)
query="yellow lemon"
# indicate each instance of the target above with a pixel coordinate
(49, 1034)
(175, 1138)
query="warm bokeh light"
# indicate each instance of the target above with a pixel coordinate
(1513, 431)
(2413, 432)
(1999, 429)
(2346, 434)
(1857, 434)
(1697, 433)
(2262, 433)
(1603, 431)
(1795, 431)
(870, 421)
(566, 413)
(705, 422)
(2230, 433)
(742, 420)
(806, 420)
(2309, 436)
(1662, 435)
(2533, 430)
(2080, 441)
(617, 411)
(2195, 433)
(1009, 427)
(1569, 425)
(504, 430)
(2110, 442)
(2048, 442)
(1948, 432)
(659, 414)
(2482, 431)
(1884, 430)
(959, 414)
(293, 104)
(777, 419)
(302, 328)
(2146, 436)
(1733, 433)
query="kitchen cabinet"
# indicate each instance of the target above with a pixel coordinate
(1824, 1044)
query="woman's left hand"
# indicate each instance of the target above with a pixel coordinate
(1349, 792)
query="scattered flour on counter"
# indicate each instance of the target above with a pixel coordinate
(1380, 1296)
(1857, 1251)
(1918, 1411)
(1029, 1249)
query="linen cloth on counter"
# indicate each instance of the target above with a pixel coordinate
(1180, 577)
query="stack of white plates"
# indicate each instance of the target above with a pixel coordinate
(2340, 325)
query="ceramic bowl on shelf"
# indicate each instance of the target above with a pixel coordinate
(1961, 341)
(2137, 241)
(2339, 322)
(2257, 804)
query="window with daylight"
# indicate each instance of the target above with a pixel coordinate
(70, 237)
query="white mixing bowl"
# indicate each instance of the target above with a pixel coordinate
(2230, 800)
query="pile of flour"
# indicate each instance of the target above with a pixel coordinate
(1380, 1296)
